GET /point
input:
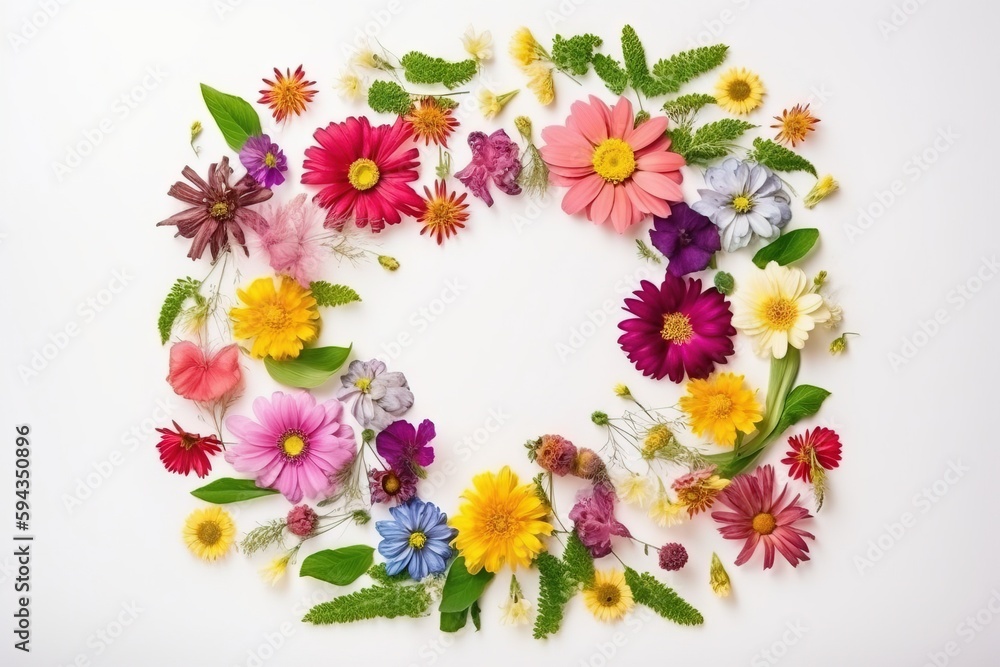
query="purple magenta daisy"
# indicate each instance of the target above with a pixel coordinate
(494, 158)
(686, 238)
(404, 447)
(387, 486)
(594, 519)
(264, 161)
(677, 329)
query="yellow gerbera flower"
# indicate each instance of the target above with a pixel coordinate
(209, 532)
(541, 84)
(776, 307)
(279, 322)
(608, 597)
(739, 91)
(499, 522)
(719, 406)
(524, 48)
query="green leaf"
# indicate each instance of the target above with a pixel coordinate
(681, 108)
(461, 588)
(803, 401)
(310, 369)
(182, 290)
(787, 248)
(475, 613)
(453, 621)
(332, 295)
(422, 68)
(578, 561)
(671, 73)
(574, 54)
(646, 590)
(389, 97)
(611, 72)
(778, 158)
(710, 141)
(634, 56)
(235, 116)
(377, 601)
(229, 490)
(338, 566)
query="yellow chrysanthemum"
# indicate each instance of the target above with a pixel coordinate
(666, 512)
(499, 522)
(209, 532)
(739, 91)
(279, 322)
(608, 597)
(479, 45)
(719, 406)
(540, 83)
(776, 307)
(524, 48)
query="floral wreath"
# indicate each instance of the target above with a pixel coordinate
(616, 166)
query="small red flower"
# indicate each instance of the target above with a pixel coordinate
(181, 452)
(823, 444)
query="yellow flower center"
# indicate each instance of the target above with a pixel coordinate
(614, 160)
(219, 210)
(676, 328)
(363, 384)
(391, 484)
(293, 443)
(780, 313)
(363, 174)
(764, 523)
(742, 204)
(720, 406)
(208, 533)
(738, 90)
(417, 540)
(270, 160)
(500, 525)
(608, 595)
(276, 318)
(442, 213)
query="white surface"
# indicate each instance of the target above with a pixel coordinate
(883, 100)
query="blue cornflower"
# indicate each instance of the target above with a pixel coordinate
(416, 540)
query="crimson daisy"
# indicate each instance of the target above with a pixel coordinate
(431, 121)
(677, 329)
(365, 172)
(444, 213)
(288, 93)
(820, 448)
(182, 452)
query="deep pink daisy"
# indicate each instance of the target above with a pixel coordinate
(295, 446)
(614, 170)
(364, 172)
(677, 329)
(760, 518)
(823, 444)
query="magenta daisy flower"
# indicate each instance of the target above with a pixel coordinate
(295, 446)
(815, 448)
(678, 329)
(760, 518)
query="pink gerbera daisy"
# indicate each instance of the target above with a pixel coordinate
(364, 172)
(614, 170)
(820, 448)
(759, 517)
(296, 446)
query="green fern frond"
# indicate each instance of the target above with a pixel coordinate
(663, 600)
(554, 590)
(332, 295)
(778, 158)
(673, 72)
(574, 54)
(579, 564)
(611, 72)
(422, 68)
(182, 290)
(379, 601)
(709, 142)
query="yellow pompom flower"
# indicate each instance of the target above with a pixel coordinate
(209, 532)
(608, 597)
(739, 91)
(720, 406)
(541, 84)
(524, 48)
(279, 322)
(499, 522)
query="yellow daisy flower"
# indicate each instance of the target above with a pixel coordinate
(209, 532)
(719, 406)
(279, 322)
(499, 523)
(739, 91)
(608, 597)
(524, 48)
(776, 307)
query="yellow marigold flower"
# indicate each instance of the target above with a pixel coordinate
(824, 187)
(479, 45)
(720, 406)
(719, 578)
(275, 570)
(541, 83)
(608, 597)
(739, 91)
(490, 104)
(209, 532)
(524, 48)
(499, 522)
(350, 86)
(279, 322)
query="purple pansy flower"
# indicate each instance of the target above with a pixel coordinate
(264, 161)
(404, 447)
(595, 522)
(494, 157)
(687, 239)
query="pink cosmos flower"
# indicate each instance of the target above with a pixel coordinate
(614, 171)
(760, 518)
(295, 446)
(206, 378)
(291, 238)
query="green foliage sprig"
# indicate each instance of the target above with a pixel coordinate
(681, 109)
(422, 68)
(646, 590)
(389, 97)
(332, 295)
(574, 54)
(559, 581)
(778, 158)
(182, 290)
(378, 601)
(709, 142)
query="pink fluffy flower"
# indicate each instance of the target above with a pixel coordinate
(291, 236)
(594, 519)
(301, 520)
(295, 446)
(761, 518)
(197, 375)
(614, 171)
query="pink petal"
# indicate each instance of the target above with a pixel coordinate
(621, 212)
(582, 193)
(592, 124)
(621, 117)
(600, 209)
(658, 185)
(665, 161)
(647, 133)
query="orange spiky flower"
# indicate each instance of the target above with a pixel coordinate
(288, 93)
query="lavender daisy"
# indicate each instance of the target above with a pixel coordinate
(744, 199)
(416, 540)
(375, 396)
(264, 161)
(686, 238)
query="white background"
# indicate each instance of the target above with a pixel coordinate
(885, 97)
